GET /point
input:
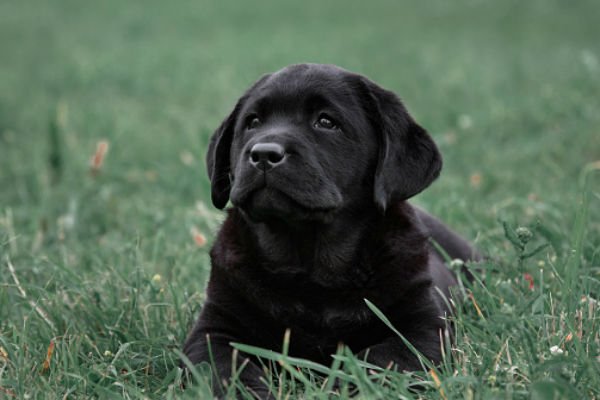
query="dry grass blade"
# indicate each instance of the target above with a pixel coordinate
(48, 359)
(438, 383)
(32, 303)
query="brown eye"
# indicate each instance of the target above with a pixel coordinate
(325, 122)
(253, 122)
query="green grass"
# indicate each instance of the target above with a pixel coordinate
(107, 266)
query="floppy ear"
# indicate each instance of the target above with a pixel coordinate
(218, 158)
(409, 160)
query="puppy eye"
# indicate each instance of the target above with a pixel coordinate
(252, 122)
(325, 122)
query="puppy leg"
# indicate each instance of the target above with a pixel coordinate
(421, 328)
(209, 342)
(393, 353)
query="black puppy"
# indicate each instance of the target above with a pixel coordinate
(318, 163)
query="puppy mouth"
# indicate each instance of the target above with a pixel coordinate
(262, 200)
(267, 203)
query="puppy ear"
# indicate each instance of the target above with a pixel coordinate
(218, 157)
(409, 160)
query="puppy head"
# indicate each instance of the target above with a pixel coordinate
(310, 140)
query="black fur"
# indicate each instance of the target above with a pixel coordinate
(316, 231)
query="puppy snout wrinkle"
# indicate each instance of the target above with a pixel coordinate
(265, 156)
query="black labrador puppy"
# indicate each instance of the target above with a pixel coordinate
(318, 163)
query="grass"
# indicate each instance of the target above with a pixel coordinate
(100, 275)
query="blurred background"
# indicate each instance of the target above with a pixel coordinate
(508, 89)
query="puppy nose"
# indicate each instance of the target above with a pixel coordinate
(266, 155)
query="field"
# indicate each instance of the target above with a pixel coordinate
(103, 262)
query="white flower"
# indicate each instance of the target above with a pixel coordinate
(556, 351)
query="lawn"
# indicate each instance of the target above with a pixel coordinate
(103, 267)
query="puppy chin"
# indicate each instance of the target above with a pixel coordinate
(269, 205)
